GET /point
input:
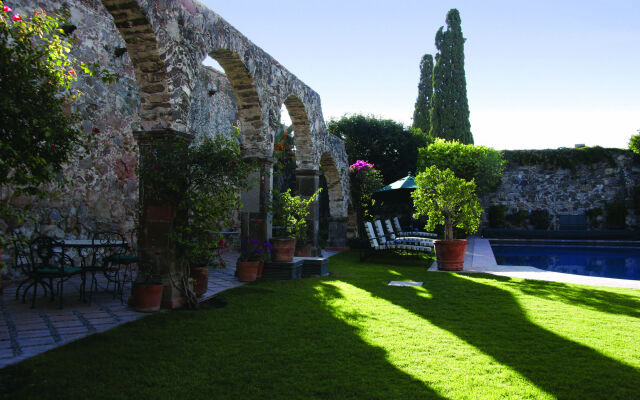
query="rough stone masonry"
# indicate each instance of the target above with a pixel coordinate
(157, 48)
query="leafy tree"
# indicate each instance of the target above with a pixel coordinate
(634, 143)
(387, 144)
(449, 105)
(425, 90)
(446, 200)
(482, 164)
(36, 77)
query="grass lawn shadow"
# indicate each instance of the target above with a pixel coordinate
(270, 340)
(491, 319)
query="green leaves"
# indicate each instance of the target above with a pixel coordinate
(36, 75)
(446, 200)
(482, 164)
(449, 115)
(290, 213)
(421, 117)
(202, 180)
(387, 144)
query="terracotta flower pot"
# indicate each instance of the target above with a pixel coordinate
(147, 296)
(247, 271)
(283, 249)
(450, 254)
(200, 276)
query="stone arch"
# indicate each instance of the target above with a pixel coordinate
(301, 127)
(248, 101)
(164, 96)
(337, 203)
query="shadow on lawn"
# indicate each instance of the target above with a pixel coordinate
(272, 340)
(491, 320)
(583, 296)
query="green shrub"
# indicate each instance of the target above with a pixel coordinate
(482, 164)
(616, 214)
(497, 213)
(634, 144)
(517, 217)
(540, 219)
(593, 214)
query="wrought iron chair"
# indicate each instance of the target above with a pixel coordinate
(124, 263)
(47, 263)
(21, 258)
(104, 246)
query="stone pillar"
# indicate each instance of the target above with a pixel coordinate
(308, 181)
(255, 218)
(157, 219)
(337, 233)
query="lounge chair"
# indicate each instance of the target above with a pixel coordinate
(400, 233)
(385, 246)
(389, 236)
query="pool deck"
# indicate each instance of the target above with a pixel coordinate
(479, 258)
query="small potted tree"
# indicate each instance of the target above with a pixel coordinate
(290, 214)
(452, 202)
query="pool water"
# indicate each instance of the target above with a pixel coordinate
(604, 261)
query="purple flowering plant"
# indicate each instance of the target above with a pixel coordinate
(360, 165)
(254, 250)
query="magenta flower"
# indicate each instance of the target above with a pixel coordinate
(53, 146)
(6, 9)
(360, 165)
(16, 17)
(96, 130)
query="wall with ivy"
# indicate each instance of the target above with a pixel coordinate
(603, 184)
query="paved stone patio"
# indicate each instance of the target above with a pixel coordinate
(26, 332)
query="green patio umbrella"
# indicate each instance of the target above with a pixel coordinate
(405, 183)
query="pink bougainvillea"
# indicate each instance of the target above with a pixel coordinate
(360, 165)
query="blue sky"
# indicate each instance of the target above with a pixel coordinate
(542, 74)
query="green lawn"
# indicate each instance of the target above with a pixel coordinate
(352, 336)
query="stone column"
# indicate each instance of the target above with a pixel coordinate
(337, 232)
(308, 181)
(157, 219)
(255, 217)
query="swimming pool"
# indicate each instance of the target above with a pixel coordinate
(605, 261)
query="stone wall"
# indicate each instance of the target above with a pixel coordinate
(563, 191)
(157, 49)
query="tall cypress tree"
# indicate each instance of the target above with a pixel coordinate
(422, 109)
(449, 105)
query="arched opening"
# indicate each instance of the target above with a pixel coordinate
(284, 153)
(333, 211)
(249, 115)
(302, 128)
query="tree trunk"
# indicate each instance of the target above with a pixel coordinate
(448, 228)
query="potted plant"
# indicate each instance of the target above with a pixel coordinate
(251, 261)
(290, 214)
(452, 202)
(202, 180)
(147, 289)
